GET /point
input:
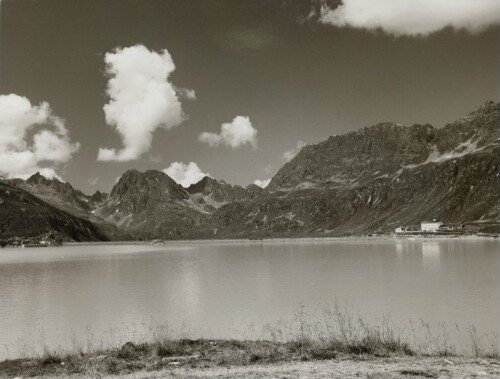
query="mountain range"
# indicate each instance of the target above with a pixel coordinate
(368, 181)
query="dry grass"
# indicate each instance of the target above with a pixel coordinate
(338, 333)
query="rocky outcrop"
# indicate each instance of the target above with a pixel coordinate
(98, 197)
(217, 193)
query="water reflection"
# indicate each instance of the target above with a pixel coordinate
(430, 255)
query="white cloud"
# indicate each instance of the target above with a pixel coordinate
(49, 146)
(185, 174)
(19, 156)
(50, 173)
(290, 154)
(262, 183)
(414, 17)
(186, 93)
(234, 134)
(141, 99)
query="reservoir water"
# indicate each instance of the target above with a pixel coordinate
(60, 297)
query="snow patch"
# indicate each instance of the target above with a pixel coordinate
(467, 147)
(197, 207)
(305, 185)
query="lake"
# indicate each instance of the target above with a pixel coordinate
(61, 297)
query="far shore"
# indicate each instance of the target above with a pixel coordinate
(385, 237)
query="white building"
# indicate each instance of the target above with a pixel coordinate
(430, 226)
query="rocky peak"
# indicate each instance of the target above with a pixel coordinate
(206, 184)
(37, 182)
(136, 190)
(57, 193)
(150, 204)
(489, 105)
(38, 178)
(99, 197)
(478, 128)
(56, 184)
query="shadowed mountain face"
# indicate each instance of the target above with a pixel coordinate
(70, 200)
(371, 180)
(57, 193)
(23, 215)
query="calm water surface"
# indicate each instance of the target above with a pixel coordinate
(111, 293)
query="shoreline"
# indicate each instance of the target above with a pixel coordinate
(388, 237)
(247, 359)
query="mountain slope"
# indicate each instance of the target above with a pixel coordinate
(68, 199)
(24, 215)
(385, 148)
(60, 194)
(377, 178)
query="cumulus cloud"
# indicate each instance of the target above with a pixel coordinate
(414, 17)
(185, 174)
(21, 156)
(262, 183)
(290, 154)
(186, 93)
(141, 99)
(234, 134)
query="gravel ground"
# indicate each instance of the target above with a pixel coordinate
(350, 368)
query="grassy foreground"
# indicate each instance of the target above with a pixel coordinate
(246, 359)
(305, 343)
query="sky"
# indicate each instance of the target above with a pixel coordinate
(228, 88)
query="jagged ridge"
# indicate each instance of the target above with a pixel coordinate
(370, 180)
